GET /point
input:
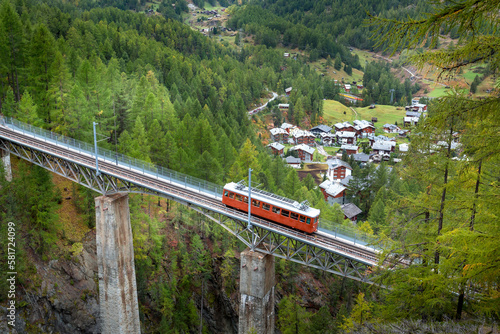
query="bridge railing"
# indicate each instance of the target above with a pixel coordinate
(116, 158)
(172, 176)
(349, 233)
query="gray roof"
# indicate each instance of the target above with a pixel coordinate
(345, 180)
(350, 210)
(277, 146)
(381, 146)
(362, 157)
(348, 147)
(322, 128)
(292, 160)
(305, 148)
(332, 163)
(332, 188)
(413, 114)
(346, 134)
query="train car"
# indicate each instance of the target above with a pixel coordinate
(272, 207)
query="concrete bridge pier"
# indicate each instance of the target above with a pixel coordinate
(257, 293)
(6, 164)
(118, 303)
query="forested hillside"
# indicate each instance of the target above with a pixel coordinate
(160, 92)
(321, 27)
(165, 93)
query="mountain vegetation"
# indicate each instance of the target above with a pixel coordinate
(164, 93)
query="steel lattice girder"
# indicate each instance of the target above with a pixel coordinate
(257, 238)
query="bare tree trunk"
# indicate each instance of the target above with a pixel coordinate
(443, 195)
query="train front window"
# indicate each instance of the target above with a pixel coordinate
(255, 203)
(309, 220)
(294, 216)
(276, 210)
(266, 206)
(285, 213)
(302, 219)
(226, 193)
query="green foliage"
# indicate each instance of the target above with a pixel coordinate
(292, 317)
(446, 222)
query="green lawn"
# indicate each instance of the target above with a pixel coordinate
(384, 114)
(333, 112)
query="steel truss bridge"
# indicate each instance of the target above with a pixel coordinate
(332, 252)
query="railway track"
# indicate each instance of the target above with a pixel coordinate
(188, 195)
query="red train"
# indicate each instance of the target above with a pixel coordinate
(272, 207)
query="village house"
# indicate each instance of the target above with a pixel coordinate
(293, 161)
(319, 129)
(382, 148)
(372, 139)
(288, 91)
(303, 137)
(349, 149)
(363, 128)
(410, 121)
(345, 126)
(276, 148)
(288, 127)
(347, 88)
(279, 135)
(337, 169)
(391, 128)
(305, 152)
(333, 191)
(283, 106)
(286, 54)
(403, 148)
(351, 212)
(361, 157)
(419, 107)
(346, 137)
(328, 139)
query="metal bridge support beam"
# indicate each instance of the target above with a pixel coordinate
(6, 164)
(118, 303)
(257, 293)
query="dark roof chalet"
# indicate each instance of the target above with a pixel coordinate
(321, 128)
(350, 210)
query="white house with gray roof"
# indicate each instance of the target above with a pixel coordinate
(305, 152)
(333, 191)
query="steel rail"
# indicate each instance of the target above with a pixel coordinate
(195, 198)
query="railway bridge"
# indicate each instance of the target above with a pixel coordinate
(334, 250)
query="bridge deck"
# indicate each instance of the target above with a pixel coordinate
(171, 184)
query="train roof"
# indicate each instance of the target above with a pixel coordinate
(283, 202)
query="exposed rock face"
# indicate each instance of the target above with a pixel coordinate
(67, 299)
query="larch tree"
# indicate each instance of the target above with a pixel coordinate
(452, 220)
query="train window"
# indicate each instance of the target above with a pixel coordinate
(295, 216)
(231, 195)
(302, 219)
(238, 197)
(255, 203)
(316, 220)
(285, 213)
(226, 193)
(309, 220)
(266, 206)
(276, 210)
(245, 199)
